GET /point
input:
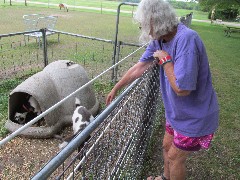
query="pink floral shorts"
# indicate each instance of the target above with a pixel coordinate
(189, 143)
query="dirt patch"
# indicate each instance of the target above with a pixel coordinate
(22, 157)
(67, 16)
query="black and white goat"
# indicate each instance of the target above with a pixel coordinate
(81, 119)
(27, 111)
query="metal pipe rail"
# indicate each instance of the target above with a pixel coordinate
(82, 36)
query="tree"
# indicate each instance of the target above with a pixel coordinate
(224, 9)
(208, 5)
(189, 4)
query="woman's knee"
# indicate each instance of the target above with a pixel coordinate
(167, 142)
(177, 155)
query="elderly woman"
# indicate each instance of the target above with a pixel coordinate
(191, 107)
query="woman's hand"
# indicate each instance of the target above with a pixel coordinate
(111, 96)
(133, 73)
(159, 54)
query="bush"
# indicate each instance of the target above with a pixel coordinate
(224, 14)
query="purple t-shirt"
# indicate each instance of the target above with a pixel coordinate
(196, 114)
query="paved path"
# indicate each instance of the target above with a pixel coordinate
(222, 23)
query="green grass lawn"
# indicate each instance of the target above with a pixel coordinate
(113, 5)
(224, 62)
(222, 161)
(223, 55)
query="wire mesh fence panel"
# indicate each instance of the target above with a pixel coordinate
(22, 56)
(19, 57)
(95, 56)
(118, 146)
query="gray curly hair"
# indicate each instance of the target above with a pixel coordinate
(158, 14)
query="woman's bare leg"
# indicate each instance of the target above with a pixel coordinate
(177, 163)
(167, 143)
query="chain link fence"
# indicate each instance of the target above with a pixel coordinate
(21, 56)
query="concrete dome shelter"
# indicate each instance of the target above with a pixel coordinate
(52, 84)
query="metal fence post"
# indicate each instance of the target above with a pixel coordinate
(117, 59)
(116, 34)
(44, 45)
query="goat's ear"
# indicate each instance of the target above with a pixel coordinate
(27, 105)
(31, 108)
(28, 97)
(77, 102)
